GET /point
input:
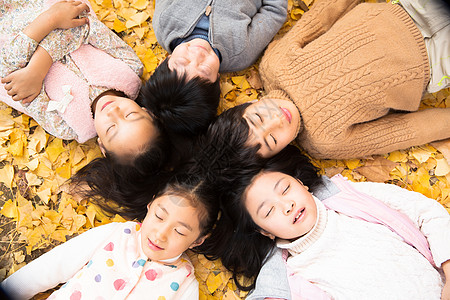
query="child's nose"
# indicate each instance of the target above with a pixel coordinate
(161, 234)
(273, 122)
(113, 111)
(288, 207)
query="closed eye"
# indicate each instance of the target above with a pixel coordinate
(268, 213)
(259, 116)
(274, 139)
(182, 62)
(286, 189)
(180, 233)
(129, 114)
(109, 128)
(158, 217)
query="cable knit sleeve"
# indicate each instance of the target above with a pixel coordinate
(429, 216)
(56, 266)
(322, 15)
(386, 134)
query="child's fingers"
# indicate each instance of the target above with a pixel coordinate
(79, 22)
(6, 79)
(28, 99)
(81, 7)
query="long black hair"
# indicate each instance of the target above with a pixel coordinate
(181, 109)
(183, 106)
(124, 189)
(236, 239)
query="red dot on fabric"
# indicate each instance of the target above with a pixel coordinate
(151, 274)
(109, 247)
(119, 284)
(76, 295)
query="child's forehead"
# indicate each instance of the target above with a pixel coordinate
(173, 198)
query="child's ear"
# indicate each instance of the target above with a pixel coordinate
(102, 148)
(268, 234)
(307, 188)
(199, 241)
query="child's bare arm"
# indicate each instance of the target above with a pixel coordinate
(63, 15)
(26, 84)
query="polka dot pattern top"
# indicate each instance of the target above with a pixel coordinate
(119, 269)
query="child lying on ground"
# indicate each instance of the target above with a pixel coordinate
(56, 63)
(347, 80)
(128, 260)
(364, 241)
(204, 37)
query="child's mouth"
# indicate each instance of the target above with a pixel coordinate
(106, 104)
(153, 246)
(299, 215)
(287, 114)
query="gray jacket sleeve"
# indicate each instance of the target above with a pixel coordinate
(239, 29)
(272, 280)
(254, 38)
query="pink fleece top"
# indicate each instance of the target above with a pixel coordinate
(88, 60)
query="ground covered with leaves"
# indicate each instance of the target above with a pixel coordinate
(37, 212)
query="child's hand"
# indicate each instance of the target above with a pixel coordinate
(23, 85)
(65, 14)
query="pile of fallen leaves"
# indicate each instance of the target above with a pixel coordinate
(37, 212)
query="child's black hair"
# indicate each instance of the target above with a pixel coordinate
(122, 188)
(236, 239)
(181, 109)
(181, 106)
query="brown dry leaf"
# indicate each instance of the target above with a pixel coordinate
(442, 167)
(443, 147)
(255, 80)
(377, 170)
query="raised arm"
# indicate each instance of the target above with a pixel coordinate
(272, 281)
(322, 15)
(264, 25)
(25, 82)
(18, 50)
(56, 266)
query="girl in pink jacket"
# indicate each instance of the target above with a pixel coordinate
(364, 241)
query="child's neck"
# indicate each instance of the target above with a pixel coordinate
(170, 260)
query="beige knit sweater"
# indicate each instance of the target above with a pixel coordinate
(357, 74)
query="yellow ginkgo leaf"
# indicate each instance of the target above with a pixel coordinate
(54, 149)
(442, 167)
(7, 175)
(10, 210)
(118, 26)
(18, 140)
(140, 17)
(32, 179)
(140, 4)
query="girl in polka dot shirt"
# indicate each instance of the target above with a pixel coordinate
(128, 260)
